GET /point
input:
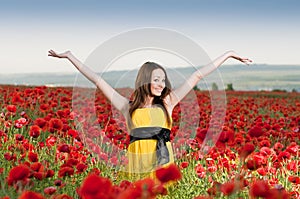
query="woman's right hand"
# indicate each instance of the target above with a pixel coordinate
(234, 55)
(52, 53)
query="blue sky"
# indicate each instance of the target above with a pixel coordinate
(266, 31)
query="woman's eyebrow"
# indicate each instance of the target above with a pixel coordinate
(159, 76)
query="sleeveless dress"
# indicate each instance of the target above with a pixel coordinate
(142, 154)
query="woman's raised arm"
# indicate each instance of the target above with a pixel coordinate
(117, 100)
(179, 93)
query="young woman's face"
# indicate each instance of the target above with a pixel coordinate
(157, 82)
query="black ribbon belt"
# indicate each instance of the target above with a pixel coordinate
(162, 135)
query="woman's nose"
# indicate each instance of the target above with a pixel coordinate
(161, 84)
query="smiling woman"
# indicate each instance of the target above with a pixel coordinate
(157, 82)
(148, 115)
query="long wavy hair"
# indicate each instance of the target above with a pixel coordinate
(143, 89)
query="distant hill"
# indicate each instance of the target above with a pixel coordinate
(253, 77)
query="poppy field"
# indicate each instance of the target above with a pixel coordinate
(43, 155)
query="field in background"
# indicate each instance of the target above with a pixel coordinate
(256, 154)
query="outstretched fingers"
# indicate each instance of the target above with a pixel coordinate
(246, 60)
(59, 55)
(243, 59)
(52, 53)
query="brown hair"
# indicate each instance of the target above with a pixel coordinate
(143, 88)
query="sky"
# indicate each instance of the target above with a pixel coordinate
(267, 31)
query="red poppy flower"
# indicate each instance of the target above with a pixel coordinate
(96, 171)
(10, 157)
(31, 195)
(277, 194)
(144, 186)
(256, 131)
(41, 144)
(292, 166)
(40, 122)
(214, 189)
(33, 157)
(95, 187)
(44, 107)
(278, 146)
(39, 175)
(19, 123)
(260, 159)
(246, 150)
(252, 164)
(201, 133)
(11, 108)
(124, 184)
(262, 171)
(240, 182)
(34, 131)
(72, 162)
(265, 143)
(284, 155)
(58, 183)
(224, 162)
(36, 166)
(73, 133)
(168, 173)
(64, 148)
(7, 156)
(18, 173)
(228, 188)
(19, 137)
(139, 189)
(51, 140)
(293, 148)
(160, 189)
(200, 171)
(184, 165)
(64, 171)
(294, 179)
(266, 151)
(259, 188)
(239, 140)
(226, 136)
(50, 173)
(17, 98)
(212, 168)
(63, 113)
(81, 167)
(55, 125)
(50, 190)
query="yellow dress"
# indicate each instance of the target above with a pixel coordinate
(141, 154)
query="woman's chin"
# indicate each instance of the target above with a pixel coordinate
(156, 94)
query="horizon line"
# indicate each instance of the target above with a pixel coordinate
(176, 67)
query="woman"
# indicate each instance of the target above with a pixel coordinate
(148, 115)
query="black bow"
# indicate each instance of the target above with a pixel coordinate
(162, 135)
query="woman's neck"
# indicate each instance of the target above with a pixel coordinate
(148, 102)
